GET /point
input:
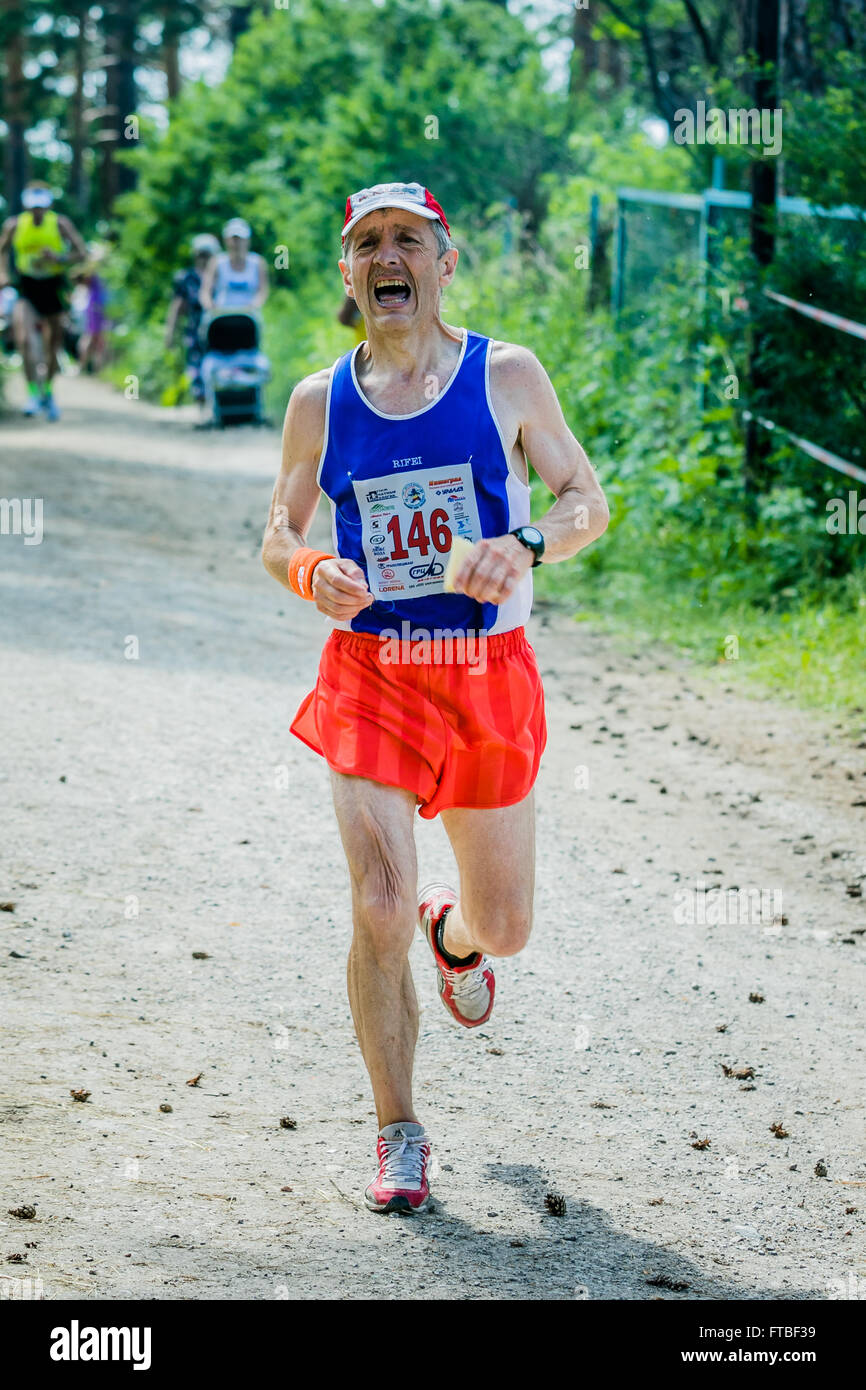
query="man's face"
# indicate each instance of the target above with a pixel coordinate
(236, 245)
(394, 270)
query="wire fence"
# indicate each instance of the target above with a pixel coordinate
(674, 239)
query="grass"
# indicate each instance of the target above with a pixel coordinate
(813, 655)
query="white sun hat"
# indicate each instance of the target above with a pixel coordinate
(205, 242)
(37, 197)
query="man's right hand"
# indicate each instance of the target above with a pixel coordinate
(340, 589)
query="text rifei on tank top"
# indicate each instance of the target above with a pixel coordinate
(402, 487)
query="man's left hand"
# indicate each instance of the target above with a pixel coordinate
(494, 569)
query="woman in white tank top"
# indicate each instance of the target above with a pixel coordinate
(237, 278)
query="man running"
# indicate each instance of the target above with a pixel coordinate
(425, 697)
(39, 238)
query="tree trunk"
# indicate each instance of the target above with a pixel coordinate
(171, 63)
(239, 21)
(15, 161)
(120, 23)
(77, 177)
(584, 52)
(616, 64)
(765, 40)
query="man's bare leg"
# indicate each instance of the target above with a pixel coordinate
(495, 852)
(52, 333)
(376, 826)
(29, 342)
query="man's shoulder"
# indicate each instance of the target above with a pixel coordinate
(514, 368)
(513, 360)
(304, 429)
(313, 389)
(308, 400)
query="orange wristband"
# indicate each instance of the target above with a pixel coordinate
(301, 567)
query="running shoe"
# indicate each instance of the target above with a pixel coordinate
(466, 990)
(50, 407)
(400, 1184)
(33, 406)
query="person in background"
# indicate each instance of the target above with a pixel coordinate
(238, 277)
(91, 345)
(187, 304)
(43, 244)
(350, 317)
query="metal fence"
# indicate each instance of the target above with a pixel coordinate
(671, 238)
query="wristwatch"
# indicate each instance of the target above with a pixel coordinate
(531, 537)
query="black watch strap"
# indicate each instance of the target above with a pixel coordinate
(527, 536)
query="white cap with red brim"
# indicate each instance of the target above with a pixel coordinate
(411, 197)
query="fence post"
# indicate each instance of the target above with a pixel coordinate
(617, 287)
(598, 255)
(703, 254)
(508, 228)
(765, 33)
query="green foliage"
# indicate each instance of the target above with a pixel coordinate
(160, 374)
(824, 136)
(328, 97)
(813, 374)
(681, 562)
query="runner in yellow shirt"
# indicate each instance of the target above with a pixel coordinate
(43, 244)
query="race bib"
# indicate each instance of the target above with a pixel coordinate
(408, 525)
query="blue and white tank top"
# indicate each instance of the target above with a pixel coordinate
(401, 486)
(232, 287)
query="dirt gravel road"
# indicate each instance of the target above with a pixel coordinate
(176, 906)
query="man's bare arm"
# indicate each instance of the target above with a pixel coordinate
(580, 513)
(339, 587)
(174, 309)
(205, 294)
(70, 233)
(531, 417)
(5, 241)
(264, 288)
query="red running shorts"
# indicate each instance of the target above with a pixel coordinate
(455, 732)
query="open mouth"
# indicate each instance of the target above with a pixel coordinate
(393, 291)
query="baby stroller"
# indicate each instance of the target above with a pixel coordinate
(233, 368)
(8, 296)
